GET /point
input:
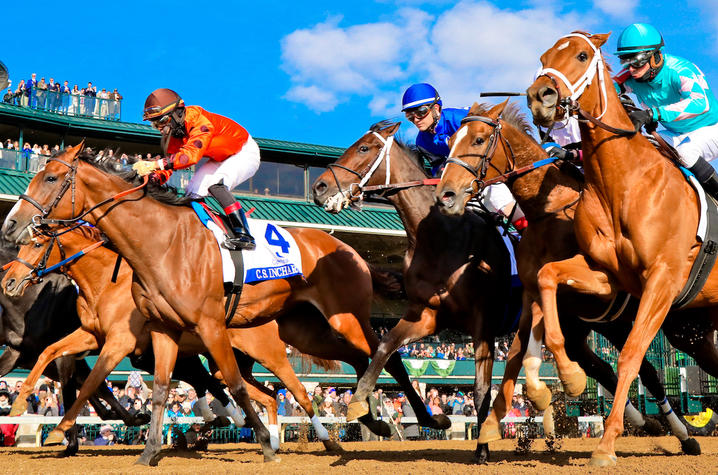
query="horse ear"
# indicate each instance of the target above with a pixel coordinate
(475, 109)
(74, 151)
(496, 111)
(599, 39)
(391, 130)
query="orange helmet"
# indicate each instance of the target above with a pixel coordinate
(160, 103)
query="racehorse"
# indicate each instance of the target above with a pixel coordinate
(494, 145)
(169, 250)
(111, 321)
(456, 270)
(625, 224)
(31, 323)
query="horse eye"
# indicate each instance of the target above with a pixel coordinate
(50, 178)
(38, 244)
(363, 148)
(478, 141)
(582, 56)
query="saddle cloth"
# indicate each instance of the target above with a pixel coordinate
(275, 257)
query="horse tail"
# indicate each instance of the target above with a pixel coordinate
(387, 283)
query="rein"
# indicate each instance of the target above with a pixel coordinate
(69, 182)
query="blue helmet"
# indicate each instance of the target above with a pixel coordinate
(639, 37)
(419, 95)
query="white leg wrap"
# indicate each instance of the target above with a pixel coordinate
(273, 436)
(633, 415)
(203, 409)
(234, 414)
(322, 432)
(677, 427)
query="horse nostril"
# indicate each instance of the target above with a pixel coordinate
(320, 188)
(10, 284)
(548, 95)
(448, 197)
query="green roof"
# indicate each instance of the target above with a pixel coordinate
(143, 133)
(292, 212)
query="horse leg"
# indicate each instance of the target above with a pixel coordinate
(214, 336)
(69, 394)
(117, 346)
(490, 428)
(415, 325)
(536, 390)
(191, 370)
(652, 311)
(165, 348)
(576, 273)
(76, 342)
(484, 362)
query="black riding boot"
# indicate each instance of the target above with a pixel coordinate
(241, 239)
(707, 176)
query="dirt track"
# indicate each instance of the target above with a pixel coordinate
(644, 455)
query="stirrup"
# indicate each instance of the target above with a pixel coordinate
(242, 241)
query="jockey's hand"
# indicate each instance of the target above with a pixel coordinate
(642, 118)
(555, 150)
(157, 178)
(145, 167)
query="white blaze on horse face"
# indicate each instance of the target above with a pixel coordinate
(563, 46)
(460, 135)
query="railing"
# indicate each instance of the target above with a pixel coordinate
(22, 160)
(72, 104)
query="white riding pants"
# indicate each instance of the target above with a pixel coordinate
(693, 145)
(235, 170)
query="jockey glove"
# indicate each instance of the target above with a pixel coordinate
(642, 118)
(145, 167)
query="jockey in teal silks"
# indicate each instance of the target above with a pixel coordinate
(674, 93)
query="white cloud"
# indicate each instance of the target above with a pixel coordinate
(471, 47)
(617, 8)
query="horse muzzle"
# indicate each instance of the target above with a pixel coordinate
(543, 103)
(451, 202)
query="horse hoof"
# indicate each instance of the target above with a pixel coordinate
(332, 446)
(574, 381)
(603, 460)
(691, 446)
(55, 437)
(70, 451)
(147, 461)
(653, 427)
(481, 455)
(357, 409)
(271, 458)
(440, 422)
(540, 396)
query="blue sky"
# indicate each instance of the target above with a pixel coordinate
(322, 71)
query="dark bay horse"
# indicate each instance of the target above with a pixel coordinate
(110, 321)
(177, 277)
(34, 321)
(456, 270)
(547, 195)
(626, 224)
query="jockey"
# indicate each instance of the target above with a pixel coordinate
(421, 104)
(191, 133)
(675, 93)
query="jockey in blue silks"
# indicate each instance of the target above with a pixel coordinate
(674, 93)
(422, 106)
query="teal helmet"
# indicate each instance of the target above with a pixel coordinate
(639, 37)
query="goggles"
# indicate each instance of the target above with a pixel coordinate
(160, 122)
(150, 113)
(418, 112)
(637, 60)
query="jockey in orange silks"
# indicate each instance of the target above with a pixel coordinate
(190, 133)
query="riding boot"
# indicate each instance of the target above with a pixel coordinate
(237, 220)
(707, 176)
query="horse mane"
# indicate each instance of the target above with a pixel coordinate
(162, 193)
(512, 114)
(91, 233)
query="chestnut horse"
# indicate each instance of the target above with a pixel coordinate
(626, 225)
(456, 271)
(111, 321)
(548, 195)
(178, 285)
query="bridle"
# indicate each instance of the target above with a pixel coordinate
(570, 104)
(42, 220)
(479, 172)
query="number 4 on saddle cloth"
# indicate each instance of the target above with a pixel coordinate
(276, 255)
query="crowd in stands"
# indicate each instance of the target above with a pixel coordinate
(60, 98)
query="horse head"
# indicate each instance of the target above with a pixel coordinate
(363, 163)
(477, 153)
(46, 195)
(569, 68)
(23, 271)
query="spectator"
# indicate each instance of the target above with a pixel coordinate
(103, 96)
(175, 410)
(317, 399)
(282, 402)
(195, 438)
(106, 437)
(74, 108)
(444, 404)
(40, 93)
(50, 406)
(128, 400)
(435, 406)
(64, 98)
(457, 404)
(343, 405)
(136, 407)
(53, 91)
(5, 403)
(411, 429)
(22, 94)
(90, 92)
(115, 98)
(191, 397)
(31, 92)
(327, 409)
(9, 97)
